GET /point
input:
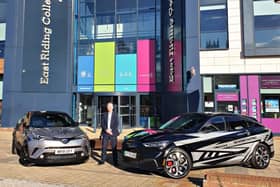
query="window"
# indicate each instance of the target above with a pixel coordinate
(267, 24)
(261, 28)
(253, 124)
(214, 124)
(2, 49)
(236, 123)
(105, 19)
(213, 24)
(186, 122)
(270, 105)
(227, 82)
(2, 39)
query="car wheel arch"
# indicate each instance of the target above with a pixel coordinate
(171, 148)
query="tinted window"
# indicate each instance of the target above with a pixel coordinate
(213, 24)
(185, 122)
(44, 120)
(214, 124)
(236, 123)
(253, 124)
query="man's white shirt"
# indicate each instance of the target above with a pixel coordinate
(109, 120)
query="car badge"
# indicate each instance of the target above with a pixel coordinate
(65, 140)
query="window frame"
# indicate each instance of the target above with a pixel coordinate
(227, 30)
(248, 27)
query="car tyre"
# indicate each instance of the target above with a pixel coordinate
(261, 156)
(177, 164)
(23, 157)
(14, 151)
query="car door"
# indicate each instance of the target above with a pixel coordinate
(209, 151)
(240, 141)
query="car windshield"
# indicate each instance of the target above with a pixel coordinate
(44, 120)
(185, 122)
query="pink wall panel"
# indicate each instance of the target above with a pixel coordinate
(254, 94)
(146, 75)
(272, 123)
(243, 94)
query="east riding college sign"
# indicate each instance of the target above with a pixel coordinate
(47, 25)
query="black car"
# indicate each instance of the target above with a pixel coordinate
(197, 140)
(49, 137)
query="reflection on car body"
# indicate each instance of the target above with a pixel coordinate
(197, 140)
(46, 137)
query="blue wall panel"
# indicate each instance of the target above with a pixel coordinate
(85, 73)
(126, 73)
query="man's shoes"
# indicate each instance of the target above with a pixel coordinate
(100, 162)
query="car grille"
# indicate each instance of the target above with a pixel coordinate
(60, 157)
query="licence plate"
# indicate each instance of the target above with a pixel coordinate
(130, 154)
(64, 151)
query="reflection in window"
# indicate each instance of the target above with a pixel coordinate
(87, 20)
(213, 24)
(86, 47)
(267, 23)
(126, 46)
(126, 25)
(105, 19)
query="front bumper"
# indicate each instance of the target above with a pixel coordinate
(149, 159)
(46, 151)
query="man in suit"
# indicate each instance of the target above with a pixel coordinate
(110, 132)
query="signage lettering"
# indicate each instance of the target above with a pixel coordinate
(46, 42)
(171, 42)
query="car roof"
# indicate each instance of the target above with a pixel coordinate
(213, 114)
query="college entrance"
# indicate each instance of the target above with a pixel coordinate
(137, 110)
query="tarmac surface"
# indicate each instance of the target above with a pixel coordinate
(12, 173)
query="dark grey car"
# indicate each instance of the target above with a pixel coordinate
(46, 137)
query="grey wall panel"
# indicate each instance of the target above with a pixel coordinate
(19, 98)
(193, 85)
(20, 103)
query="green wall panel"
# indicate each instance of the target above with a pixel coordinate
(104, 67)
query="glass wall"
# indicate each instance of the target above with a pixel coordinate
(213, 24)
(123, 22)
(267, 23)
(123, 37)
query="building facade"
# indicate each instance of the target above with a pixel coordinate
(75, 56)
(240, 58)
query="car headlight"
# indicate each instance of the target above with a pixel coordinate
(35, 137)
(160, 144)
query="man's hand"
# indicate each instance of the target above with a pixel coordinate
(109, 131)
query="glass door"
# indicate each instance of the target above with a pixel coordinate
(127, 108)
(102, 106)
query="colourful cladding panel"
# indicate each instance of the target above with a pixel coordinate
(126, 72)
(104, 71)
(85, 73)
(146, 65)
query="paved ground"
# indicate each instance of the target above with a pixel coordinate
(91, 174)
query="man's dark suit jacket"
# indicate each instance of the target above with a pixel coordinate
(114, 124)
